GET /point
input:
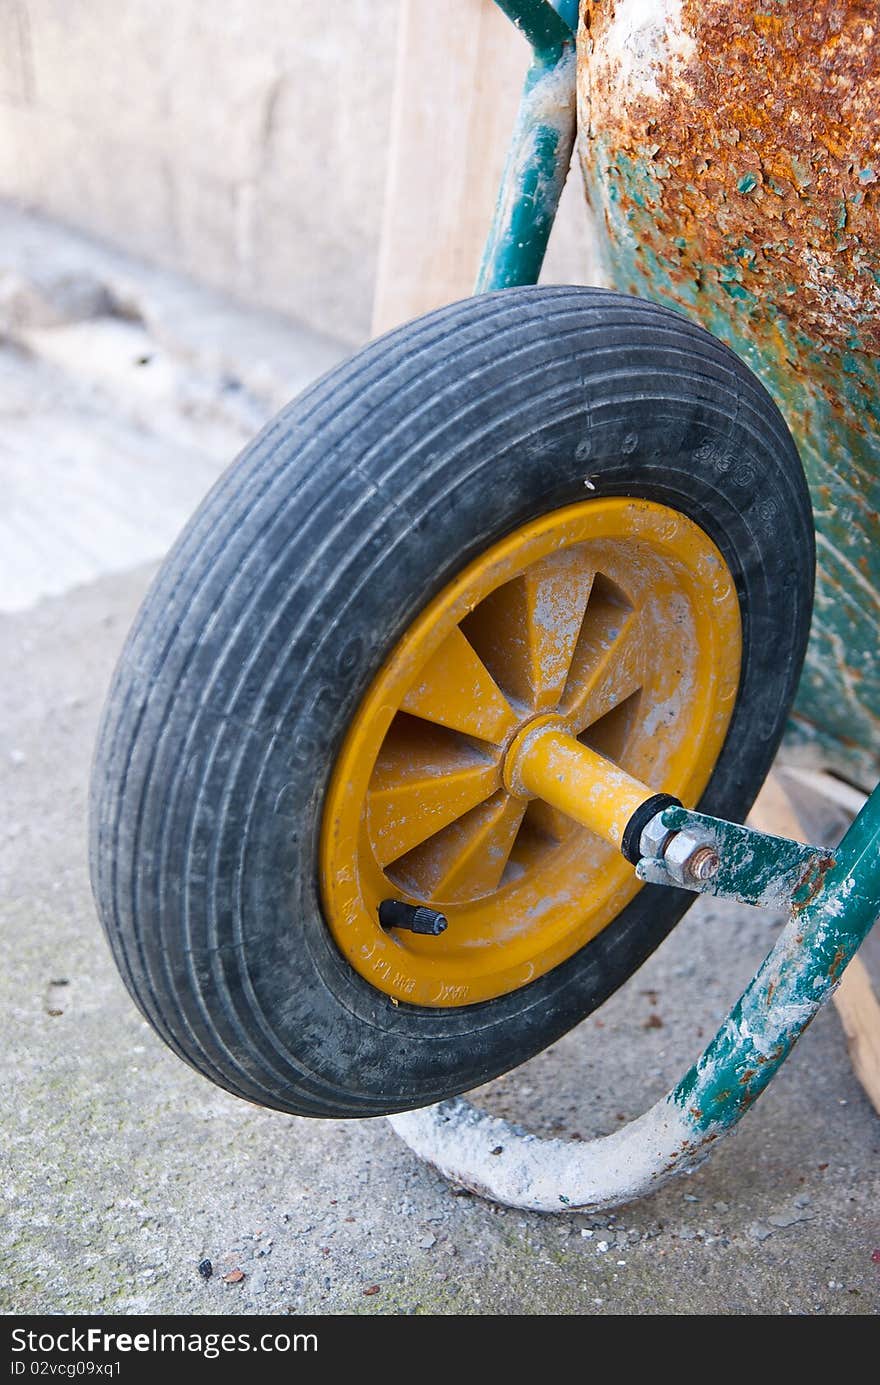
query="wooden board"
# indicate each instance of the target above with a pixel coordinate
(459, 74)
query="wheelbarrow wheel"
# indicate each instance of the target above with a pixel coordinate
(544, 503)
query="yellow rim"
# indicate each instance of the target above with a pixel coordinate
(614, 620)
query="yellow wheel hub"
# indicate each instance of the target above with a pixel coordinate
(589, 659)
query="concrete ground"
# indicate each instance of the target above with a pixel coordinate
(121, 1168)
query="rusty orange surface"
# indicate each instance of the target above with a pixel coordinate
(731, 153)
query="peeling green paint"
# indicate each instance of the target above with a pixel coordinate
(792, 984)
(756, 868)
(830, 398)
(540, 150)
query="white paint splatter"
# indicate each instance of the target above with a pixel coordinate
(644, 37)
(505, 1163)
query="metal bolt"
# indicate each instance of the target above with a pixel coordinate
(703, 864)
(691, 856)
(415, 918)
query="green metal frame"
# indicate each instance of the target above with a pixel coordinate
(505, 1163)
(837, 906)
(793, 982)
(540, 148)
(755, 868)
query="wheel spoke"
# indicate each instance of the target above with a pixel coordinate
(526, 631)
(467, 859)
(609, 734)
(456, 689)
(548, 824)
(543, 829)
(615, 679)
(608, 663)
(425, 777)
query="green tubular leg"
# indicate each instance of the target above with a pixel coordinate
(540, 149)
(793, 982)
(505, 1163)
(549, 29)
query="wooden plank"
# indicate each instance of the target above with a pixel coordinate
(859, 1014)
(773, 812)
(459, 73)
(854, 999)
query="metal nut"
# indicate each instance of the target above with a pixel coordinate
(654, 836)
(692, 857)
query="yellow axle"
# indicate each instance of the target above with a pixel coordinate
(546, 761)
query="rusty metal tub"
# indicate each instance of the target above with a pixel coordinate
(731, 153)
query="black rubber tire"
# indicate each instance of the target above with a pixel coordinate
(285, 593)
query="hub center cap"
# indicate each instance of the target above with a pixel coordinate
(511, 772)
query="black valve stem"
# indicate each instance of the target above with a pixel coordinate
(394, 913)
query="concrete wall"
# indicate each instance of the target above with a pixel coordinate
(244, 143)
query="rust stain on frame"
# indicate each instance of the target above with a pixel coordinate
(764, 123)
(731, 153)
